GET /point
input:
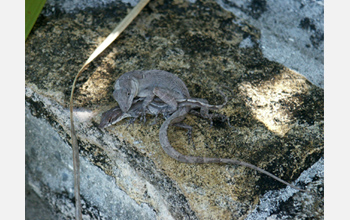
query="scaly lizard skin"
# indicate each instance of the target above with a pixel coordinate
(142, 84)
(156, 107)
(149, 85)
(115, 114)
(172, 91)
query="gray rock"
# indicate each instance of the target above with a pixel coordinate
(277, 118)
(292, 32)
(49, 177)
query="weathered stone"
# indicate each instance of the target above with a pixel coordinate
(277, 117)
(291, 32)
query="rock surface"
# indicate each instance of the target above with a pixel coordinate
(276, 114)
(292, 32)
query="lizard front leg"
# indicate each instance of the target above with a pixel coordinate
(204, 107)
(202, 104)
(165, 95)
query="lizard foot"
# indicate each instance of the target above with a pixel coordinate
(189, 132)
(155, 120)
(143, 116)
(131, 122)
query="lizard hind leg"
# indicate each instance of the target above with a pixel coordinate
(145, 104)
(166, 96)
(211, 116)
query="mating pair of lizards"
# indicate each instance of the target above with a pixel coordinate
(159, 92)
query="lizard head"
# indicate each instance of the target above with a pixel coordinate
(125, 90)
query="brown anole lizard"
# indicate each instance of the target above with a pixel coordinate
(115, 114)
(156, 107)
(172, 91)
(142, 84)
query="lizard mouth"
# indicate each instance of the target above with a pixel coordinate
(125, 108)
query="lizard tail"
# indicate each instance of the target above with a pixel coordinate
(164, 141)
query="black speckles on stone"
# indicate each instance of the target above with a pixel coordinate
(64, 177)
(307, 24)
(37, 110)
(197, 43)
(311, 110)
(257, 8)
(95, 155)
(230, 3)
(254, 8)
(287, 207)
(317, 36)
(90, 210)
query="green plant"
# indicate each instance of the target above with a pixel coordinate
(33, 9)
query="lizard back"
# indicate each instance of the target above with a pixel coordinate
(162, 79)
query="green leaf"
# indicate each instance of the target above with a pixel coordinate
(33, 9)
